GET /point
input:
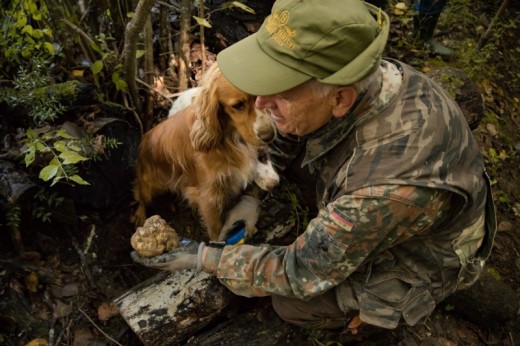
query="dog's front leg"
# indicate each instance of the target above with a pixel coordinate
(210, 210)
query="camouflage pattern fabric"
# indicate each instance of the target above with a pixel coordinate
(404, 214)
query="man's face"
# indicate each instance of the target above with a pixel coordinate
(297, 111)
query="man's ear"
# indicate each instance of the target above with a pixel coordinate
(343, 99)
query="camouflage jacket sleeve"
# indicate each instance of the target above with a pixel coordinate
(349, 231)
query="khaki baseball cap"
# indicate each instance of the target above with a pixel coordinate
(335, 41)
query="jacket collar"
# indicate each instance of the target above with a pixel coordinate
(323, 140)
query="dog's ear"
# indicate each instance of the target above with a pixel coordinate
(206, 133)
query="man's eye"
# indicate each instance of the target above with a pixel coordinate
(239, 106)
(282, 97)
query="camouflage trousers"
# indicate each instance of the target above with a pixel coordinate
(321, 312)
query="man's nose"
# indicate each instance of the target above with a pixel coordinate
(262, 101)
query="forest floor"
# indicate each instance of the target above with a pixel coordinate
(62, 287)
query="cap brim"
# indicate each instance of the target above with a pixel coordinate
(248, 68)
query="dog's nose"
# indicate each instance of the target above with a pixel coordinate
(264, 127)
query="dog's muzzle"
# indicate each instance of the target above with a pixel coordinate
(264, 127)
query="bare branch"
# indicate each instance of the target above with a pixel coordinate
(133, 29)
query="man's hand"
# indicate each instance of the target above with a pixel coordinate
(186, 256)
(247, 210)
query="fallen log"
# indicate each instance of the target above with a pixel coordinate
(169, 307)
(257, 327)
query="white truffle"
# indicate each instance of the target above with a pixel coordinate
(154, 238)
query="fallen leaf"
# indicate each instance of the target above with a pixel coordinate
(82, 336)
(486, 85)
(31, 282)
(77, 73)
(505, 226)
(107, 310)
(491, 129)
(38, 342)
(61, 309)
(68, 290)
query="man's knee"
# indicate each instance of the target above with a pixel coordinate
(321, 312)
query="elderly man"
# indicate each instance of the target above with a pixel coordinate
(404, 210)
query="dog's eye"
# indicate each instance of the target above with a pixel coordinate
(239, 106)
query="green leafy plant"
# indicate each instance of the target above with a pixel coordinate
(41, 110)
(59, 153)
(13, 215)
(299, 215)
(62, 150)
(494, 273)
(25, 33)
(45, 202)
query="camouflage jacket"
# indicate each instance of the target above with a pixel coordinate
(401, 197)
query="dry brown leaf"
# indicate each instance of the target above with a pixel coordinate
(61, 309)
(68, 290)
(82, 336)
(504, 226)
(107, 310)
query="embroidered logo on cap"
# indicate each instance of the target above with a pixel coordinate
(277, 26)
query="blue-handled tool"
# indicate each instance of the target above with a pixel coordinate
(237, 231)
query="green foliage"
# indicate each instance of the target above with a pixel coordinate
(494, 273)
(475, 62)
(59, 153)
(237, 4)
(41, 110)
(45, 202)
(225, 6)
(451, 83)
(24, 33)
(13, 215)
(494, 160)
(62, 151)
(98, 146)
(299, 215)
(107, 63)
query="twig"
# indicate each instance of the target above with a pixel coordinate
(66, 329)
(98, 328)
(80, 32)
(84, 264)
(202, 44)
(484, 37)
(52, 332)
(149, 74)
(151, 88)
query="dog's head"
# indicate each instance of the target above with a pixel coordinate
(220, 108)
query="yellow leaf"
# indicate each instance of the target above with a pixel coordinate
(488, 88)
(31, 282)
(77, 73)
(38, 342)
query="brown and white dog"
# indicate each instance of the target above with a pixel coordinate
(206, 153)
